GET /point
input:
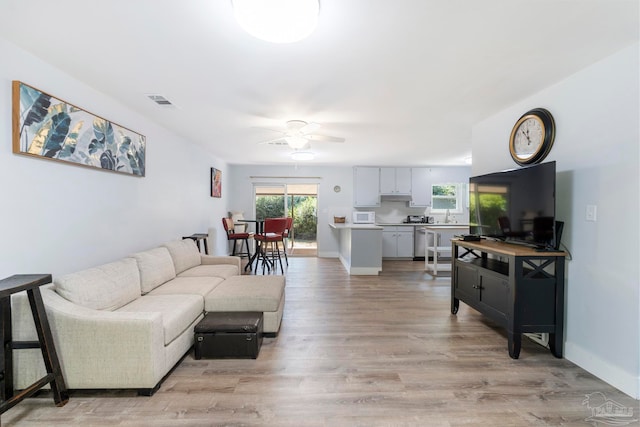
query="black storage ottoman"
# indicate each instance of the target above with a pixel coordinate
(229, 335)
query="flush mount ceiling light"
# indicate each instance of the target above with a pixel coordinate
(277, 21)
(296, 142)
(302, 155)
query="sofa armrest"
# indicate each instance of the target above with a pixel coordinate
(96, 348)
(221, 259)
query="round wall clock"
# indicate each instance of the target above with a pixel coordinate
(532, 137)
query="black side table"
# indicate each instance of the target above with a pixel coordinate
(198, 237)
(30, 283)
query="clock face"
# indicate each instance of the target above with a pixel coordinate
(528, 137)
(532, 137)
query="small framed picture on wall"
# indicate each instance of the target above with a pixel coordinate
(216, 182)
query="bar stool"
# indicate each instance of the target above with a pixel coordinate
(232, 236)
(269, 239)
(288, 233)
(30, 283)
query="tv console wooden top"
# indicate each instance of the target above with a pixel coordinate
(504, 248)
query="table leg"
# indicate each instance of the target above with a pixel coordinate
(6, 355)
(49, 354)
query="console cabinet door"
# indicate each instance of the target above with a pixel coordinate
(466, 281)
(494, 291)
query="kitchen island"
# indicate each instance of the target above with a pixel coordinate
(360, 248)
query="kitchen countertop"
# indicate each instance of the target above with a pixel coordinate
(355, 226)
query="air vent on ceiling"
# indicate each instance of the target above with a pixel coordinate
(161, 100)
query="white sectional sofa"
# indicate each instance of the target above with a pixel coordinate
(127, 323)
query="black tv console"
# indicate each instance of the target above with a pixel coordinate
(517, 287)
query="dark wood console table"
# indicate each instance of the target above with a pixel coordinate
(30, 283)
(516, 286)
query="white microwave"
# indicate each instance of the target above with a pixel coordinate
(364, 217)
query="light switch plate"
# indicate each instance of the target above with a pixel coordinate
(591, 213)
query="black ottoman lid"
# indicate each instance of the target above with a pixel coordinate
(232, 321)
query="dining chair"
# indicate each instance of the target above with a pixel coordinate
(234, 237)
(286, 236)
(268, 241)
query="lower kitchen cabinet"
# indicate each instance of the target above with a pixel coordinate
(397, 242)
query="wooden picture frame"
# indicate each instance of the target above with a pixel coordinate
(50, 128)
(216, 182)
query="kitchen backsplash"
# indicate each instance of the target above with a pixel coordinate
(396, 212)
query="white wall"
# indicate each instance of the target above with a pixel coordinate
(242, 178)
(597, 154)
(58, 218)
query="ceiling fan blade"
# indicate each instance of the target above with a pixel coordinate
(309, 128)
(277, 141)
(324, 138)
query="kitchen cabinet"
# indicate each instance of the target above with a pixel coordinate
(395, 181)
(420, 187)
(520, 289)
(397, 242)
(366, 186)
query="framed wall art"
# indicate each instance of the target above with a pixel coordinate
(49, 128)
(216, 182)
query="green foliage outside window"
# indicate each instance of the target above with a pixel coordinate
(443, 197)
(304, 213)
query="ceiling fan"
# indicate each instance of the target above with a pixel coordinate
(298, 134)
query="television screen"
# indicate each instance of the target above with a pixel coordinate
(516, 205)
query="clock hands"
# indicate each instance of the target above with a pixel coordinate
(526, 134)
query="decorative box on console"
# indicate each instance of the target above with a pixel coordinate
(229, 335)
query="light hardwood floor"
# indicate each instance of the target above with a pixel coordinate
(355, 351)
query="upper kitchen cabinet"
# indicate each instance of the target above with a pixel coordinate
(366, 186)
(395, 181)
(420, 187)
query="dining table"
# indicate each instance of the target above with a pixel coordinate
(259, 229)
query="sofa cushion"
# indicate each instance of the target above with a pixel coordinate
(105, 287)
(188, 285)
(223, 271)
(185, 254)
(246, 293)
(156, 267)
(178, 311)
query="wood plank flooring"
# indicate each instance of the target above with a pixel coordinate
(354, 351)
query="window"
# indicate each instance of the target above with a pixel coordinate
(446, 197)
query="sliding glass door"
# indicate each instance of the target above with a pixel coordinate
(299, 201)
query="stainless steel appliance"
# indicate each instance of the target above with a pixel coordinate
(419, 244)
(415, 219)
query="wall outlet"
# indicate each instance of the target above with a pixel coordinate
(591, 213)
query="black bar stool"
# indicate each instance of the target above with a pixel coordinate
(30, 283)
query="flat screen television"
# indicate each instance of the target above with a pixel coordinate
(516, 206)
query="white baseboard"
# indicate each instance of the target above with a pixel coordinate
(622, 380)
(328, 255)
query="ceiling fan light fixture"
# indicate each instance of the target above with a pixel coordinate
(302, 155)
(277, 21)
(296, 141)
